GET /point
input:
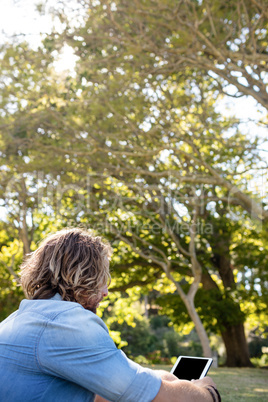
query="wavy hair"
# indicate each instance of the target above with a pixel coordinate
(71, 262)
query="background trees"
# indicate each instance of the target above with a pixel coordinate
(132, 144)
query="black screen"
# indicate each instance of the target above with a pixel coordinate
(189, 369)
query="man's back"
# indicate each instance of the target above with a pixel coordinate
(54, 350)
(22, 374)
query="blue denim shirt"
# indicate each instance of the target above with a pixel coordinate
(54, 350)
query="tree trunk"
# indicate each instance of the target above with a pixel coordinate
(236, 346)
(188, 300)
(233, 335)
(232, 326)
(23, 230)
(201, 332)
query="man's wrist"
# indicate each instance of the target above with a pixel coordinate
(214, 393)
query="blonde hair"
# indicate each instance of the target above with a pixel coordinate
(71, 262)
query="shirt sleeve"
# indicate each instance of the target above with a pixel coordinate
(76, 346)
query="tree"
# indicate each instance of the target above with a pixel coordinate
(133, 117)
(224, 40)
(164, 240)
(163, 51)
(154, 46)
(29, 109)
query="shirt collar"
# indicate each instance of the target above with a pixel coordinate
(56, 297)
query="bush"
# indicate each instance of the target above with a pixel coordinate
(260, 362)
(140, 359)
(140, 338)
(255, 346)
(172, 341)
(155, 342)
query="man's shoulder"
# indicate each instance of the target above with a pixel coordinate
(60, 311)
(68, 324)
(48, 308)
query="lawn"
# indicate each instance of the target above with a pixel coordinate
(234, 384)
(243, 384)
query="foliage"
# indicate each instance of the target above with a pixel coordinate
(139, 338)
(131, 144)
(10, 256)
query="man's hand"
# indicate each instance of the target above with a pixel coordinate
(204, 382)
(165, 375)
(174, 390)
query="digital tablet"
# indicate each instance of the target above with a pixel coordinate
(191, 368)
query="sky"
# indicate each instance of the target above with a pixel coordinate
(18, 16)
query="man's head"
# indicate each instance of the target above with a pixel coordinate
(73, 263)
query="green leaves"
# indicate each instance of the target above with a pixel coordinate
(131, 145)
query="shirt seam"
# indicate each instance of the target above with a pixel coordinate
(50, 316)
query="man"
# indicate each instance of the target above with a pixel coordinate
(55, 347)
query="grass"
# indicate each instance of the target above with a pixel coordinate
(245, 384)
(238, 384)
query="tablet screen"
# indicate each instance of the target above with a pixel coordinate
(191, 368)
